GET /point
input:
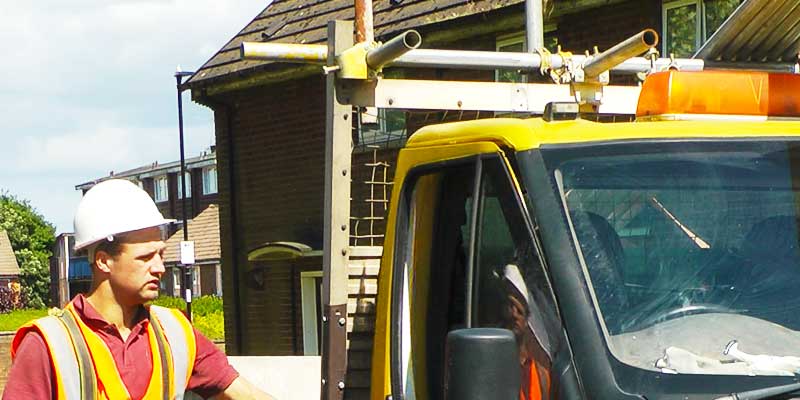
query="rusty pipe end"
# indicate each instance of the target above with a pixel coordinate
(649, 37)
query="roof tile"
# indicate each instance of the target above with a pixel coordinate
(204, 231)
(8, 261)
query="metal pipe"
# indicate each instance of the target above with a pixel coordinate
(490, 60)
(631, 47)
(456, 59)
(364, 30)
(285, 52)
(391, 50)
(534, 25)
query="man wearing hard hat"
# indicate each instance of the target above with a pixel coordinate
(108, 344)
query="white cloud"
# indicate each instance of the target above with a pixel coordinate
(87, 88)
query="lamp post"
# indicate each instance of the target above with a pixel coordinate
(187, 269)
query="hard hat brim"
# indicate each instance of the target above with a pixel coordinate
(83, 245)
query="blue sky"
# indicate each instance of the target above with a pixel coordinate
(86, 87)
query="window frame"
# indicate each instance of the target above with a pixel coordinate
(160, 196)
(507, 41)
(207, 190)
(188, 177)
(698, 21)
(701, 21)
(310, 312)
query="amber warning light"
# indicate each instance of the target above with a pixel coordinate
(684, 95)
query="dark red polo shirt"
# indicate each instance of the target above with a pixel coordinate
(31, 374)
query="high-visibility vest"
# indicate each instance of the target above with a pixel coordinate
(84, 367)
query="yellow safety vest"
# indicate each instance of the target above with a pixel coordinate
(85, 369)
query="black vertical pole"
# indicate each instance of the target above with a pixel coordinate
(187, 269)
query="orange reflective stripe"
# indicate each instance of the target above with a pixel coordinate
(110, 382)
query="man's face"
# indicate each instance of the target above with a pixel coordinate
(136, 271)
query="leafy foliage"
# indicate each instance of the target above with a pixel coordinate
(170, 302)
(206, 305)
(31, 237)
(8, 300)
(207, 315)
(211, 325)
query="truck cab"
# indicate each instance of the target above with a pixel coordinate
(654, 259)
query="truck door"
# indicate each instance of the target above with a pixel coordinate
(466, 257)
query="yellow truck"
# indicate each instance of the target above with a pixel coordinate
(562, 258)
(559, 258)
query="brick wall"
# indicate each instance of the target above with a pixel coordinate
(276, 159)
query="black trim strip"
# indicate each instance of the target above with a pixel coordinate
(85, 365)
(166, 368)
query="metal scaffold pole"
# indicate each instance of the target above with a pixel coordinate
(338, 155)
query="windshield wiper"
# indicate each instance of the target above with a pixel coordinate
(765, 393)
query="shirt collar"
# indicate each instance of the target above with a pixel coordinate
(92, 317)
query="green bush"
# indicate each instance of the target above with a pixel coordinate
(207, 314)
(170, 302)
(206, 305)
(211, 325)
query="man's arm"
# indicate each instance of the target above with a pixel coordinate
(242, 389)
(30, 376)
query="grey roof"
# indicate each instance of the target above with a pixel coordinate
(758, 31)
(305, 21)
(8, 261)
(155, 169)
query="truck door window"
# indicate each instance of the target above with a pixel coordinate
(468, 263)
(434, 286)
(511, 290)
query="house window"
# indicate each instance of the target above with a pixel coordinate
(381, 127)
(311, 298)
(515, 43)
(210, 180)
(690, 23)
(510, 44)
(161, 189)
(176, 281)
(188, 178)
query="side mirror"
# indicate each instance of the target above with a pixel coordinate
(482, 363)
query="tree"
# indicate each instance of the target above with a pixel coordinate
(32, 239)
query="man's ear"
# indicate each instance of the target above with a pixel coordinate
(103, 261)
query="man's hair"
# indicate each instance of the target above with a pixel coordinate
(111, 247)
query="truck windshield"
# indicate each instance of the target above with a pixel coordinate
(691, 251)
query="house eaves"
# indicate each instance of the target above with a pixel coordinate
(154, 169)
(302, 21)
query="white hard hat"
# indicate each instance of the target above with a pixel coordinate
(112, 207)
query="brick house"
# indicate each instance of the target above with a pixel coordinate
(162, 181)
(270, 135)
